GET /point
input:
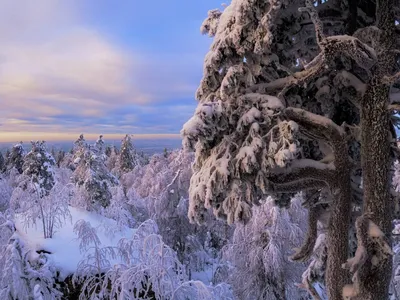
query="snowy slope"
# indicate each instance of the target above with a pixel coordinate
(64, 246)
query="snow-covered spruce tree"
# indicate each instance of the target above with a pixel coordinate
(99, 148)
(2, 163)
(128, 158)
(5, 193)
(15, 158)
(91, 174)
(59, 157)
(39, 167)
(273, 101)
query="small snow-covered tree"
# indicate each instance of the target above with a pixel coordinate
(50, 211)
(92, 176)
(128, 157)
(5, 193)
(15, 158)
(99, 148)
(39, 167)
(38, 197)
(90, 271)
(59, 157)
(119, 209)
(2, 163)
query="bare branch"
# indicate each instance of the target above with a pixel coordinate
(304, 252)
(310, 8)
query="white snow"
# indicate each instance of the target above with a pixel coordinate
(374, 231)
(64, 246)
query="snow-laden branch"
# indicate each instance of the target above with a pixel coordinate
(315, 124)
(348, 79)
(331, 47)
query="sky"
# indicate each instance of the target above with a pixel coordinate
(99, 67)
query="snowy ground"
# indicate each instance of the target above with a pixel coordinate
(64, 246)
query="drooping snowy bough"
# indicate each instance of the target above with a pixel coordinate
(274, 118)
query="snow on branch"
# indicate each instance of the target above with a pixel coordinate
(391, 79)
(302, 174)
(315, 123)
(349, 79)
(302, 169)
(210, 25)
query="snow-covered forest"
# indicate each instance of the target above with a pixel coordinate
(286, 187)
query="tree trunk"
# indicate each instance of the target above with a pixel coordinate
(375, 151)
(338, 230)
(375, 160)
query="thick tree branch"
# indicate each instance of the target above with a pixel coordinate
(297, 186)
(303, 174)
(315, 124)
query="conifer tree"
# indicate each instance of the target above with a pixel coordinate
(284, 108)
(2, 163)
(92, 174)
(15, 158)
(38, 166)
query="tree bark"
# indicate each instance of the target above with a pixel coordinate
(375, 160)
(375, 151)
(338, 230)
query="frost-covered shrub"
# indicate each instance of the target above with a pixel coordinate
(119, 209)
(161, 188)
(26, 275)
(50, 211)
(257, 257)
(150, 269)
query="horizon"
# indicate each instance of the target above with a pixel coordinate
(67, 137)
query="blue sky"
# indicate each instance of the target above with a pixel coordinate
(97, 66)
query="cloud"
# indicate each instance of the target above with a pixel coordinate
(60, 74)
